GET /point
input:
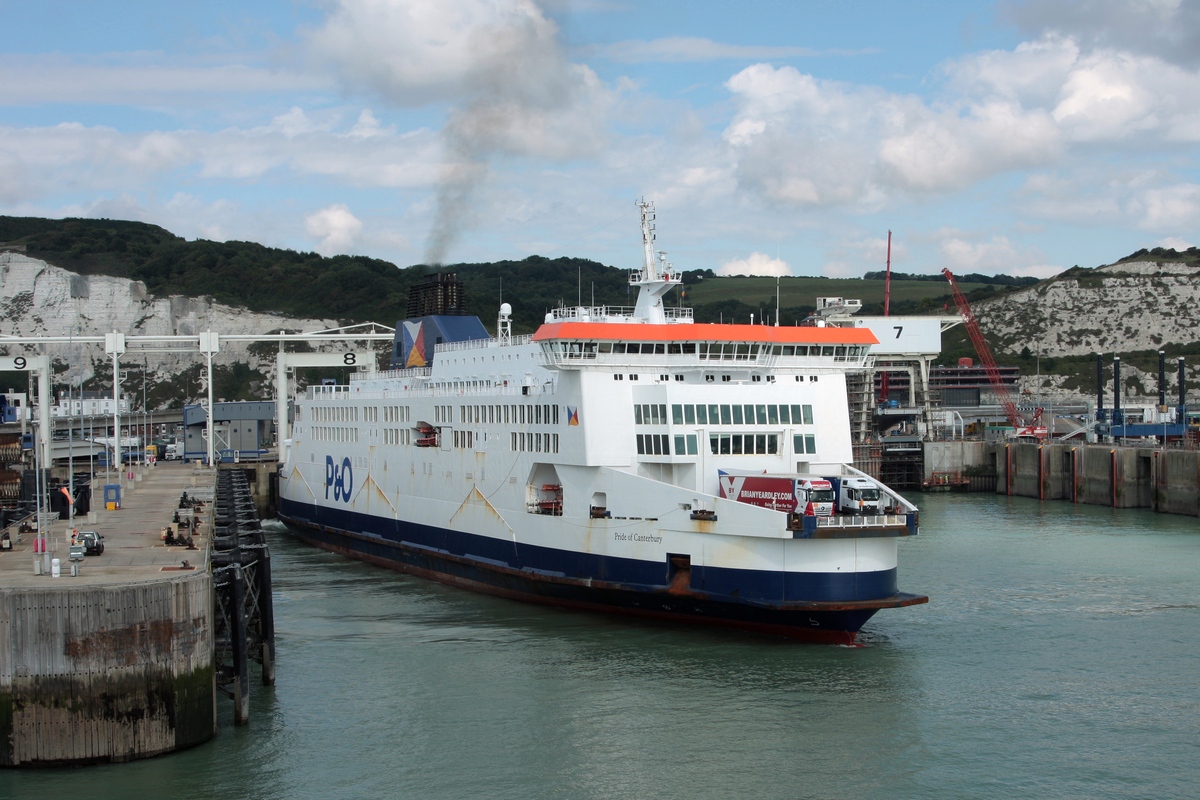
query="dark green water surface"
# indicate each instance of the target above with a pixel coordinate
(1059, 657)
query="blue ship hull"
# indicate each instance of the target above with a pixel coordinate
(818, 607)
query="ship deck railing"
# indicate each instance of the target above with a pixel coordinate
(764, 361)
(612, 314)
(846, 526)
(513, 388)
(863, 521)
(481, 344)
(409, 372)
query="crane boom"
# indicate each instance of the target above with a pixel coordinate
(989, 365)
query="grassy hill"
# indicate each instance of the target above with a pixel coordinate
(360, 289)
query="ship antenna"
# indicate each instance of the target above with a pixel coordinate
(504, 325)
(655, 278)
(777, 300)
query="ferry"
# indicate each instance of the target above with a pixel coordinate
(581, 465)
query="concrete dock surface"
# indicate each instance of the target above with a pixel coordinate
(133, 535)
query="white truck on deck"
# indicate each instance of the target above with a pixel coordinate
(857, 495)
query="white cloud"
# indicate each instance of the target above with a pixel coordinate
(1175, 243)
(294, 123)
(1093, 94)
(802, 141)
(37, 161)
(368, 126)
(138, 79)
(996, 255)
(677, 49)
(426, 51)
(336, 227)
(1170, 208)
(953, 149)
(755, 264)
(498, 63)
(1167, 29)
(854, 258)
(1149, 199)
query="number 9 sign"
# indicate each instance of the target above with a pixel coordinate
(18, 364)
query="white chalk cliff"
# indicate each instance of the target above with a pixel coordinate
(1121, 308)
(39, 299)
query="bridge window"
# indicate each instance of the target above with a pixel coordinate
(737, 444)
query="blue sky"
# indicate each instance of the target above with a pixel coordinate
(1020, 137)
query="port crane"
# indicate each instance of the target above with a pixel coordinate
(1021, 429)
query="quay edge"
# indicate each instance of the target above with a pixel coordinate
(1117, 476)
(105, 673)
(116, 659)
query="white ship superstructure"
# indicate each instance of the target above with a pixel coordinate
(582, 465)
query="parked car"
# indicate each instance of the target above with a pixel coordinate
(93, 543)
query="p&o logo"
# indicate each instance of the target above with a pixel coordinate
(340, 478)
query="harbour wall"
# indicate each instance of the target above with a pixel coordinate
(1096, 474)
(110, 672)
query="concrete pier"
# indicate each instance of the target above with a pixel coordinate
(116, 663)
(1164, 480)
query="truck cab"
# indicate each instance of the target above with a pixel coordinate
(815, 496)
(859, 496)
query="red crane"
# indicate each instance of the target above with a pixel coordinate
(1020, 427)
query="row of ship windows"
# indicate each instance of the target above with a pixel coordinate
(394, 414)
(325, 433)
(723, 414)
(335, 414)
(369, 413)
(711, 378)
(724, 444)
(397, 435)
(706, 351)
(647, 444)
(516, 414)
(485, 415)
(534, 442)
(519, 442)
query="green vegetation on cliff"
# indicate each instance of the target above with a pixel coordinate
(360, 289)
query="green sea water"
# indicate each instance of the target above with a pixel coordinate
(1058, 657)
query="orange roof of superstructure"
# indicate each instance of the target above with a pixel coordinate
(702, 332)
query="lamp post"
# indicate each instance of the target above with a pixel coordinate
(114, 344)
